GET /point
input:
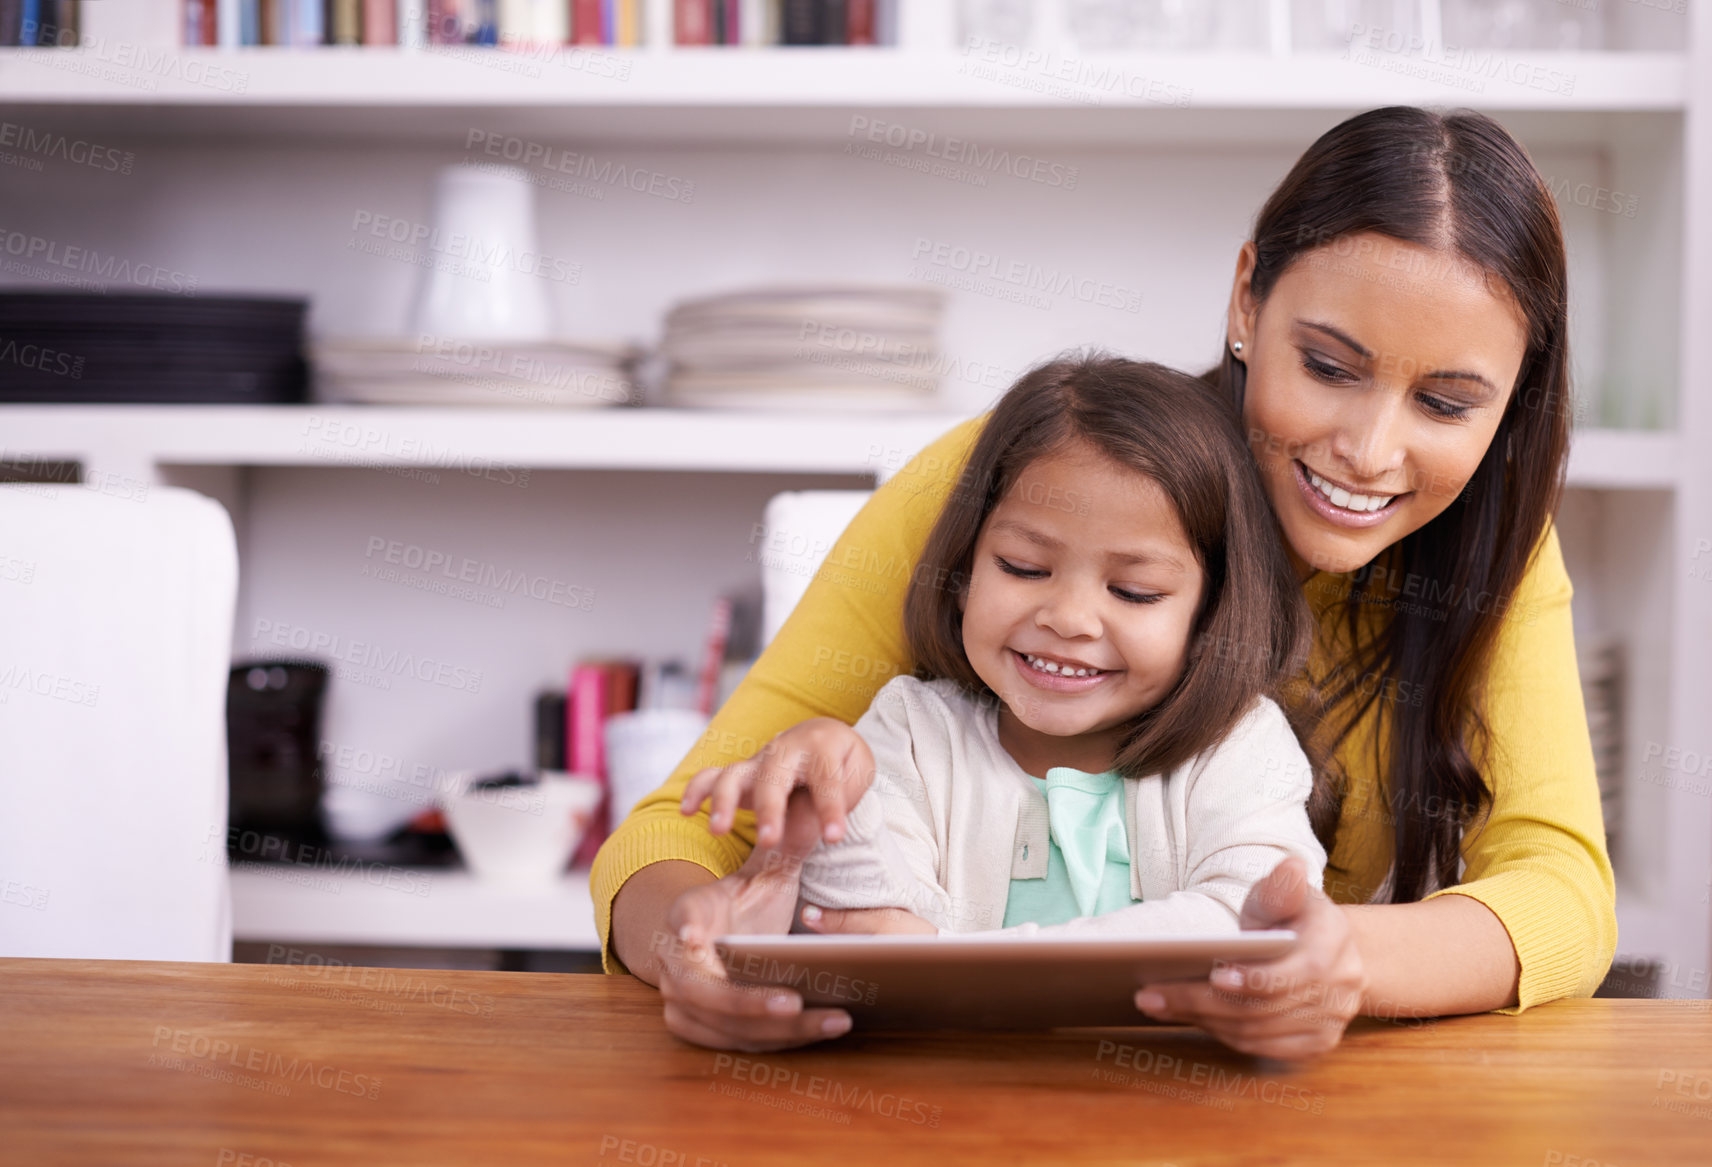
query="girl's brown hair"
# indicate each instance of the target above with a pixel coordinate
(1252, 628)
(1459, 184)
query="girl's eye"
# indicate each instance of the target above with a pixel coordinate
(1439, 407)
(1010, 568)
(1137, 597)
(1326, 372)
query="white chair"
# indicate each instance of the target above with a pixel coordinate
(800, 528)
(115, 642)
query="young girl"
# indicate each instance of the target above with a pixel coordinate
(1099, 615)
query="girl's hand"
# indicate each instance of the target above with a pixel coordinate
(822, 754)
(864, 920)
(702, 1003)
(1293, 1007)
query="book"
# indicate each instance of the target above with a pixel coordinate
(412, 22)
(228, 24)
(834, 22)
(270, 22)
(860, 23)
(11, 21)
(549, 21)
(598, 689)
(799, 22)
(344, 22)
(307, 23)
(694, 22)
(516, 22)
(586, 27)
(629, 23)
(713, 656)
(755, 20)
(68, 24)
(550, 730)
(30, 23)
(380, 22)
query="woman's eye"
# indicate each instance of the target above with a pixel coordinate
(1010, 568)
(1327, 372)
(1442, 408)
(1137, 597)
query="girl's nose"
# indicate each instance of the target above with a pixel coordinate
(1070, 612)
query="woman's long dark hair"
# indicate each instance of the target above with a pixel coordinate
(1252, 630)
(1461, 185)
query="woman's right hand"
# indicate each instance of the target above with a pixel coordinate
(822, 754)
(702, 1003)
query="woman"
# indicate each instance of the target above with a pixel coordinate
(1397, 343)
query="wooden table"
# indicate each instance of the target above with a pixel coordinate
(117, 1062)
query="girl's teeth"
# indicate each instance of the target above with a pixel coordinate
(1338, 496)
(1053, 667)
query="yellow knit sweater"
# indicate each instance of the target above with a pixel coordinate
(1538, 861)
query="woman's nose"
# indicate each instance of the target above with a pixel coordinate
(1371, 440)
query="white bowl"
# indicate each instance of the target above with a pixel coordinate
(522, 836)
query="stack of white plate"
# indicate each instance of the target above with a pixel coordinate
(1601, 667)
(529, 374)
(805, 348)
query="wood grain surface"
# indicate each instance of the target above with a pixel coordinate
(119, 1062)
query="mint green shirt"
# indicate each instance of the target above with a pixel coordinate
(1087, 870)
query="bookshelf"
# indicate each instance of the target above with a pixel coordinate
(255, 187)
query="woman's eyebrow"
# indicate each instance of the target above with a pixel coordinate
(1344, 338)
(1338, 335)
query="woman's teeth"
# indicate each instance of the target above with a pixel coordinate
(1053, 667)
(1338, 496)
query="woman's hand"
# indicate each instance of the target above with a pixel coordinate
(822, 754)
(702, 1003)
(1293, 1007)
(867, 921)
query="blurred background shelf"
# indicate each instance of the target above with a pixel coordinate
(134, 439)
(291, 905)
(128, 439)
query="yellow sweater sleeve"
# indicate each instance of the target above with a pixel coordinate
(842, 642)
(1539, 860)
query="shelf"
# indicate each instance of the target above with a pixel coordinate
(456, 910)
(132, 438)
(790, 95)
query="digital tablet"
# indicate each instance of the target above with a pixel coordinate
(982, 981)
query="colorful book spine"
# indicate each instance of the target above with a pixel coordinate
(546, 22)
(516, 22)
(380, 22)
(228, 32)
(693, 21)
(629, 33)
(834, 22)
(344, 22)
(30, 23)
(66, 22)
(11, 21)
(585, 723)
(860, 22)
(307, 23)
(799, 22)
(412, 23)
(585, 23)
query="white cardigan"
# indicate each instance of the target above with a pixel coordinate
(951, 819)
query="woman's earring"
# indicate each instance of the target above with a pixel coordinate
(1236, 347)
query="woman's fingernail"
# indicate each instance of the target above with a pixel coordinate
(833, 832)
(1227, 978)
(811, 914)
(781, 1003)
(1149, 1001)
(835, 1025)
